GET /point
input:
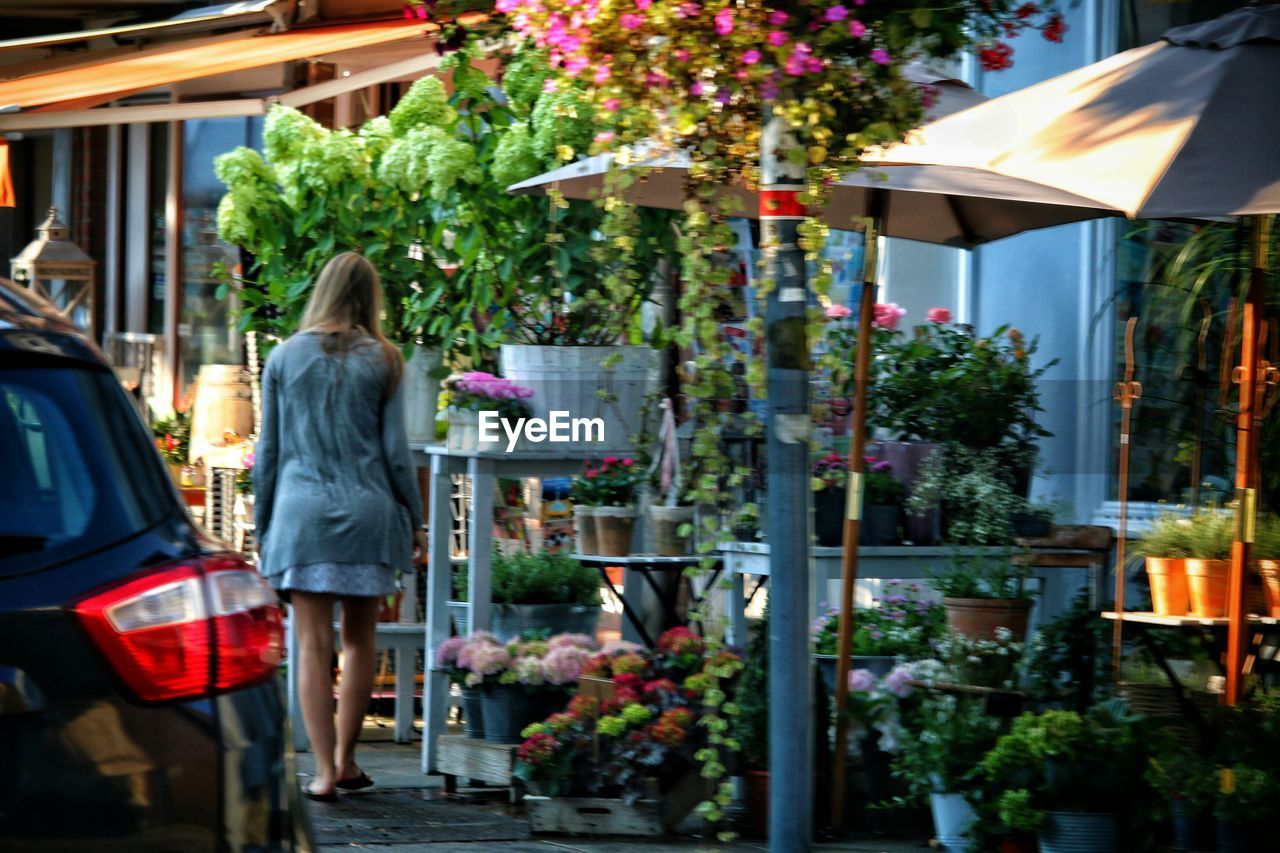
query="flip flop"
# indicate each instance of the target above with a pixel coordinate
(361, 781)
(330, 797)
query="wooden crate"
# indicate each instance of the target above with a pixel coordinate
(652, 816)
(471, 758)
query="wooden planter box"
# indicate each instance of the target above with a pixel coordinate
(652, 816)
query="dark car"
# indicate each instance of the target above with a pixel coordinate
(140, 699)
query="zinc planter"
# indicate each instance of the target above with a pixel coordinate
(1078, 832)
(573, 380)
(507, 709)
(473, 712)
(614, 526)
(512, 620)
(952, 815)
(584, 528)
(421, 394)
(879, 526)
(978, 618)
(1168, 578)
(1207, 586)
(667, 521)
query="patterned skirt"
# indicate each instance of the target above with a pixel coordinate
(353, 579)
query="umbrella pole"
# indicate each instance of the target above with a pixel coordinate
(853, 522)
(1246, 376)
(1125, 393)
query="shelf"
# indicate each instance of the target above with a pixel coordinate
(643, 559)
(1145, 618)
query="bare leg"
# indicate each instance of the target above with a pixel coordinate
(359, 627)
(313, 613)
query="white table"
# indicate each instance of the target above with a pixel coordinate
(483, 469)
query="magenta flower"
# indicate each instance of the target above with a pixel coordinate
(778, 18)
(630, 21)
(575, 65)
(838, 312)
(724, 22)
(857, 29)
(751, 57)
(603, 73)
(836, 13)
(682, 55)
(643, 4)
(698, 89)
(611, 105)
(938, 315)
(688, 10)
(777, 38)
(880, 56)
(505, 6)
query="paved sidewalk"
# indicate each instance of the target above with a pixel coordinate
(407, 812)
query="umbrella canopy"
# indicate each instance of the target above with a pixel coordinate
(960, 207)
(1187, 127)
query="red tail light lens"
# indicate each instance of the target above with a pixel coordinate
(187, 630)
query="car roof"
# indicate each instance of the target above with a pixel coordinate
(29, 322)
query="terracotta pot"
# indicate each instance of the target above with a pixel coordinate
(1168, 578)
(1270, 572)
(978, 618)
(614, 525)
(1207, 585)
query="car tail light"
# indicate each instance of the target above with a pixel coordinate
(185, 630)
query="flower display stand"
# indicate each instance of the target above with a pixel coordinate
(650, 816)
(473, 758)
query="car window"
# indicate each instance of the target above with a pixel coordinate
(76, 470)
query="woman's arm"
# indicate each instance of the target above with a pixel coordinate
(395, 450)
(266, 454)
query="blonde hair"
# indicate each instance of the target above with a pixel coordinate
(346, 304)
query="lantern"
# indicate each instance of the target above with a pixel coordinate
(58, 270)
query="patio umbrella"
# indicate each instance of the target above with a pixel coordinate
(1183, 128)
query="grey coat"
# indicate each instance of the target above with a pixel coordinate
(333, 477)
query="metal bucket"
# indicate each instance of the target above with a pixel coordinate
(1078, 832)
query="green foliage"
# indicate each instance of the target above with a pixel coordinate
(542, 578)
(751, 695)
(900, 622)
(1267, 538)
(980, 577)
(173, 437)
(946, 736)
(1066, 661)
(1209, 535)
(975, 490)
(1168, 536)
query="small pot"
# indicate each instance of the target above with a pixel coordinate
(1270, 573)
(879, 525)
(1078, 832)
(614, 526)
(828, 517)
(667, 521)
(978, 618)
(1207, 587)
(584, 528)
(1168, 579)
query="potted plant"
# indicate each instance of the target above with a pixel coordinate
(1208, 543)
(1065, 775)
(465, 397)
(981, 594)
(882, 501)
(830, 478)
(543, 592)
(1267, 553)
(614, 480)
(976, 493)
(585, 497)
(671, 520)
(447, 658)
(1165, 546)
(899, 625)
(173, 441)
(1182, 778)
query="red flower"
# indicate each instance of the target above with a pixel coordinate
(660, 685)
(610, 460)
(1055, 28)
(583, 706)
(538, 749)
(680, 641)
(998, 56)
(592, 474)
(1026, 10)
(628, 462)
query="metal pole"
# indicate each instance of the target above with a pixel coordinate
(1246, 376)
(790, 666)
(1126, 392)
(853, 521)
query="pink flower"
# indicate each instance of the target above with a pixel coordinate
(798, 61)
(888, 314)
(630, 21)
(505, 6)
(563, 664)
(814, 65)
(838, 312)
(603, 73)
(548, 86)
(857, 29)
(880, 56)
(751, 57)
(777, 38)
(836, 13)
(938, 315)
(627, 462)
(724, 22)
(576, 65)
(861, 681)
(583, 641)
(611, 105)
(778, 18)
(682, 55)
(643, 4)
(604, 136)
(898, 683)
(447, 654)
(688, 10)
(698, 89)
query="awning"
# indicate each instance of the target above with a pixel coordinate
(122, 76)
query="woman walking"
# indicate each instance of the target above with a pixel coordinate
(338, 512)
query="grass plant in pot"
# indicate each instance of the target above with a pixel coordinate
(1065, 776)
(545, 592)
(1208, 544)
(982, 594)
(614, 480)
(1165, 546)
(899, 625)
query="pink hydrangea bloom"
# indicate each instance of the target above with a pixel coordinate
(861, 681)
(898, 681)
(778, 18)
(529, 670)
(603, 73)
(630, 21)
(582, 641)
(564, 664)
(938, 315)
(611, 104)
(836, 13)
(447, 654)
